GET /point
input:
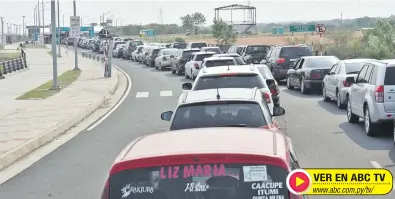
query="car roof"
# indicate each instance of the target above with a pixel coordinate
(218, 58)
(190, 49)
(245, 69)
(348, 61)
(226, 94)
(208, 141)
(227, 55)
(210, 47)
(318, 57)
(203, 53)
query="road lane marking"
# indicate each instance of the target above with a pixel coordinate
(166, 93)
(129, 81)
(142, 94)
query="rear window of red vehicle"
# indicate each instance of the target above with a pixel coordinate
(201, 181)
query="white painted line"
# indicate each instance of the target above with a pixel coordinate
(142, 94)
(166, 93)
(376, 164)
(118, 103)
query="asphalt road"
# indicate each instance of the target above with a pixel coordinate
(78, 169)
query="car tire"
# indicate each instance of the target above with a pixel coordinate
(324, 97)
(351, 117)
(289, 84)
(370, 127)
(185, 74)
(339, 103)
(193, 76)
(303, 88)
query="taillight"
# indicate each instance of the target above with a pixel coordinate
(228, 74)
(345, 84)
(379, 94)
(264, 127)
(315, 75)
(280, 60)
(196, 65)
(106, 191)
(266, 96)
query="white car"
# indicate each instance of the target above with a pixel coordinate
(233, 76)
(192, 67)
(136, 52)
(163, 60)
(218, 61)
(238, 59)
(334, 85)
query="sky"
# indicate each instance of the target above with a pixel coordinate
(142, 12)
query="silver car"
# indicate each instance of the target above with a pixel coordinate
(163, 60)
(334, 85)
(372, 97)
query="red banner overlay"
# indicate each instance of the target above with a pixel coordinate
(192, 171)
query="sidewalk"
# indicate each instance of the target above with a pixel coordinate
(25, 125)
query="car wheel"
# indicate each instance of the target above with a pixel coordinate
(289, 84)
(351, 117)
(339, 103)
(303, 88)
(161, 67)
(370, 127)
(324, 97)
(193, 76)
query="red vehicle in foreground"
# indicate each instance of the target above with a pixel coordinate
(204, 163)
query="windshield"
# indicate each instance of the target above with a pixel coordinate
(155, 51)
(324, 62)
(198, 45)
(187, 54)
(201, 181)
(265, 72)
(218, 113)
(257, 49)
(216, 50)
(170, 52)
(219, 62)
(354, 67)
(295, 52)
(180, 45)
(202, 57)
(234, 81)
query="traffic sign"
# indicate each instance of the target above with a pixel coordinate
(298, 181)
(320, 28)
(301, 28)
(75, 26)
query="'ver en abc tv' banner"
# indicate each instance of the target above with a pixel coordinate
(340, 181)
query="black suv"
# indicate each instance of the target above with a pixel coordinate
(179, 60)
(254, 53)
(280, 59)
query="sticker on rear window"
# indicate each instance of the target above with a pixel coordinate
(196, 187)
(267, 190)
(130, 188)
(254, 173)
(174, 172)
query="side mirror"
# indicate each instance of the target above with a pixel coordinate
(166, 116)
(350, 80)
(277, 111)
(187, 86)
(263, 62)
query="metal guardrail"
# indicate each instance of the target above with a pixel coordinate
(11, 66)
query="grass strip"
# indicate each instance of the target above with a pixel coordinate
(44, 91)
(9, 56)
(35, 46)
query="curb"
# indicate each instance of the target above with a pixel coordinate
(26, 148)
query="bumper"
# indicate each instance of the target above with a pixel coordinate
(280, 73)
(343, 94)
(313, 84)
(166, 64)
(378, 114)
(276, 100)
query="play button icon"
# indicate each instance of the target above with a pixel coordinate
(298, 181)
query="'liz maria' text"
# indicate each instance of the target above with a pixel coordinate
(192, 171)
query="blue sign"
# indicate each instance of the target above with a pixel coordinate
(90, 29)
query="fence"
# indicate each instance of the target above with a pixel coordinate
(13, 65)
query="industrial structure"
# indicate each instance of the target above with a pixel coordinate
(248, 22)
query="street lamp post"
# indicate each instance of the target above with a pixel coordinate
(55, 84)
(75, 41)
(42, 8)
(23, 26)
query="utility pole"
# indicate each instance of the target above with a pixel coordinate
(23, 26)
(63, 20)
(35, 24)
(2, 31)
(59, 54)
(38, 18)
(42, 8)
(55, 85)
(161, 15)
(75, 41)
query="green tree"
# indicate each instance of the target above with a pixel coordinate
(223, 32)
(187, 22)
